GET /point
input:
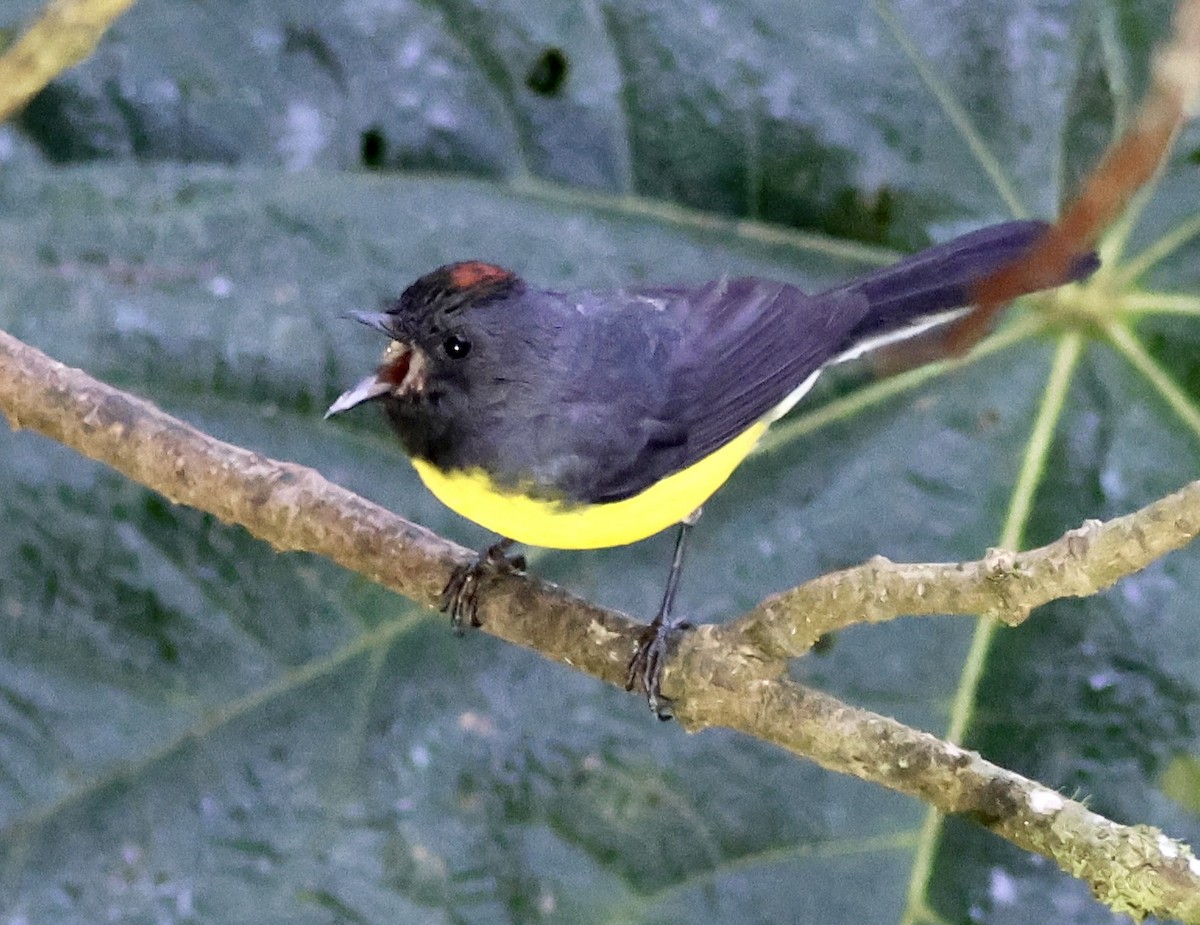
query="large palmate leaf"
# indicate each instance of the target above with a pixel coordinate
(194, 728)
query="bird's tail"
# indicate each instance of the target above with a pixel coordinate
(928, 287)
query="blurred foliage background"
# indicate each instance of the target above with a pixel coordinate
(196, 729)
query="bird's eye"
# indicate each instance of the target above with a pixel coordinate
(456, 347)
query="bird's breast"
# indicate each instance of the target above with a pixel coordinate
(580, 525)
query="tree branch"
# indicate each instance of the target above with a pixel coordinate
(1002, 585)
(719, 677)
(1132, 869)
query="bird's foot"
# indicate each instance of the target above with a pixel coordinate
(650, 658)
(460, 597)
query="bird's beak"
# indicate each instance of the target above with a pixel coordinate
(380, 321)
(401, 373)
(372, 387)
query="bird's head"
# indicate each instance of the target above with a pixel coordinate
(431, 331)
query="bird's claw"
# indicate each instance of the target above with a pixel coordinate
(460, 597)
(648, 661)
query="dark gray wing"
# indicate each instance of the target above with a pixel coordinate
(740, 348)
(750, 344)
(674, 374)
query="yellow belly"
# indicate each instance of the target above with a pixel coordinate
(558, 526)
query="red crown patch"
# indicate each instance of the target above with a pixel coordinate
(475, 273)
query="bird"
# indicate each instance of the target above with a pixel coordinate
(600, 417)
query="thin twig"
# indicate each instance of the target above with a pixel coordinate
(1126, 167)
(65, 34)
(1002, 585)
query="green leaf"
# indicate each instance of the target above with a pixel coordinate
(196, 728)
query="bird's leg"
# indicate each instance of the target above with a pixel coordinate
(653, 647)
(460, 597)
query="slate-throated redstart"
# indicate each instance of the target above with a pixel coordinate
(577, 420)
